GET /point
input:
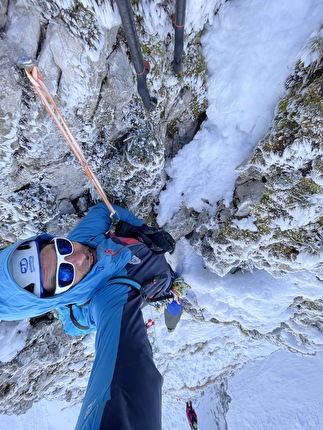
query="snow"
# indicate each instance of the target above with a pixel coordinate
(105, 12)
(43, 416)
(13, 336)
(274, 378)
(246, 223)
(267, 403)
(250, 50)
(274, 357)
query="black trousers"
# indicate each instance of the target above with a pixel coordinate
(125, 388)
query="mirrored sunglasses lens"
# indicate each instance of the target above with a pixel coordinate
(64, 246)
(65, 274)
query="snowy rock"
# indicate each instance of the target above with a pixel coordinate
(275, 219)
(82, 54)
(249, 190)
(66, 207)
(50, 363)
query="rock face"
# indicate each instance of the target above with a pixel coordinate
(275, 220)
(82, 54)
(51, 362)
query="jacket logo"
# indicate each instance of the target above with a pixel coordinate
(135, 260)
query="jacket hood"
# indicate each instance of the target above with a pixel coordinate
(17, 303)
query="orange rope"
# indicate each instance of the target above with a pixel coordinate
(39, 85)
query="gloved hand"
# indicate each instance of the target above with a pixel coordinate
(156, 238)
(161, 240)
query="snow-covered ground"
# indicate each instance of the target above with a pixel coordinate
(282, 392)
(250, 48)
(249, 330)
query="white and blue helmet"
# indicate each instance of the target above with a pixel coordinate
(26, 267)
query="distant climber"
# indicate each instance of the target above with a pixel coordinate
(191, 416)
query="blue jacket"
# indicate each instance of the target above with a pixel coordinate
(124, 390)
(16, 303)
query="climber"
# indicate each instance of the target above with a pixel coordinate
(107, 278)
(191, 416)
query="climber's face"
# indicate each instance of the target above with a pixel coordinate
(65, 263)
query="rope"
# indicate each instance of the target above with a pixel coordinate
(156, 339)
(38, 83)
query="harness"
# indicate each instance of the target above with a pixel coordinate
(167, 294)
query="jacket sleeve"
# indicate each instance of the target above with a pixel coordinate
(98, 221)
(80, 315)
(124, 389)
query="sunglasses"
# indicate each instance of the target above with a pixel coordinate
(65, 271)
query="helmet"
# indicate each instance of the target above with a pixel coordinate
(26, 268)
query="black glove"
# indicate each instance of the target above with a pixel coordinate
(157, 239)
